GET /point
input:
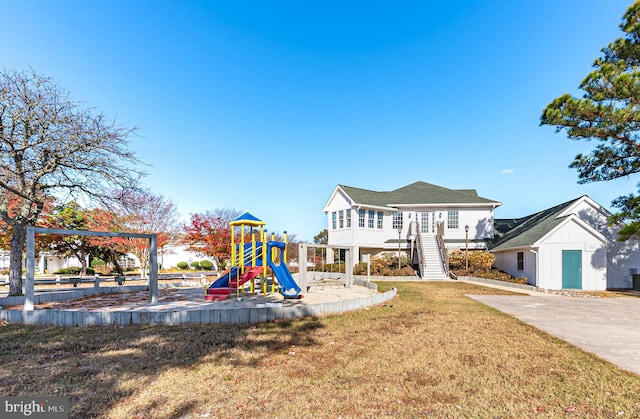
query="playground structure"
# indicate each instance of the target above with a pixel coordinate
(251, 262)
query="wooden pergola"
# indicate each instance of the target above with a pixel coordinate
(31, 255)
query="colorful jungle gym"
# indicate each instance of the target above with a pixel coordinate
(252, 261)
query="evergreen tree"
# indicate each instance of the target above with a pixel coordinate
(608, 112)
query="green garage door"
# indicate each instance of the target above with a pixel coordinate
(572, 269)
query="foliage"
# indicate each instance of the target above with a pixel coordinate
(70, 216)
(209, 234)
(330, 267)
(480, 265)
(206, 264)
(479, 260)
(71, 270)
(101, 268)
(50, 145)
(95, 262)
(196, 265)
(182, 265)
(109, 249)
(609, 112)
(322, 237)
(386, 265)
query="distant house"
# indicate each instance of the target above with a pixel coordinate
(168, 257)
(423, 222)
(569, 246)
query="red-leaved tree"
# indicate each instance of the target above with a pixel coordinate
(209, 234)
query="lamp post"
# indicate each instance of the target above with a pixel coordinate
(466, 248)
(399, 232)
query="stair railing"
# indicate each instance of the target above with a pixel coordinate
(420, 250)
(444, 255)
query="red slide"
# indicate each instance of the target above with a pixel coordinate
(222, 293)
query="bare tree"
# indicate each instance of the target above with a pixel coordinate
(147, 213)
(49, 145)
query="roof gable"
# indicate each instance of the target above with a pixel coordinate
(526, 231)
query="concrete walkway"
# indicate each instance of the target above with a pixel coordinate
(606, 327)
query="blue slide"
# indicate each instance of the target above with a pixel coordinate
(288, 286)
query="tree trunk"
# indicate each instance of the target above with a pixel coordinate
(82, 258)
(114, 260)
(15, 259)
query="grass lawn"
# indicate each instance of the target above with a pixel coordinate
(431, 352)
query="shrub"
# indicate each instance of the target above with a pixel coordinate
(196, 265)
(97, 262)
(386, 265)
(480, 265)
(206, 265)
(479, 260)
(72, 270)
(182, 265)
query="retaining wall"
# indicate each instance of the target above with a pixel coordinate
(250, 314)
(75, 294)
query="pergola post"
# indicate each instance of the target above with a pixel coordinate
(302, 263)
(153, 269)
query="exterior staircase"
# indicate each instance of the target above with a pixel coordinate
(431, 258)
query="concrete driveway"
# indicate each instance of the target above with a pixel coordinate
(606, 327)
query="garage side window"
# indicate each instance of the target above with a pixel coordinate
(520, 258)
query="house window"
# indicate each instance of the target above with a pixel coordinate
(520, 257)
(380, 220)
(341, 218)
(333, 220)
(348, 218)
(361, 218)
(452, 219)
(372, 214)
(397, 220)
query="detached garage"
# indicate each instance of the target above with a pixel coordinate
(569, 246)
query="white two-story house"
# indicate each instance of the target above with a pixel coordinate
(423, 222)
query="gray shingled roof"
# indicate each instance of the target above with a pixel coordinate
(525, 231)
(418, 193)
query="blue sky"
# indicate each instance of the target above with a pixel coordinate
(267, 106)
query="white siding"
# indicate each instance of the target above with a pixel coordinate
(572, 236)
(595, 216)
(480, 222)
(508, 262)
(621, 258)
